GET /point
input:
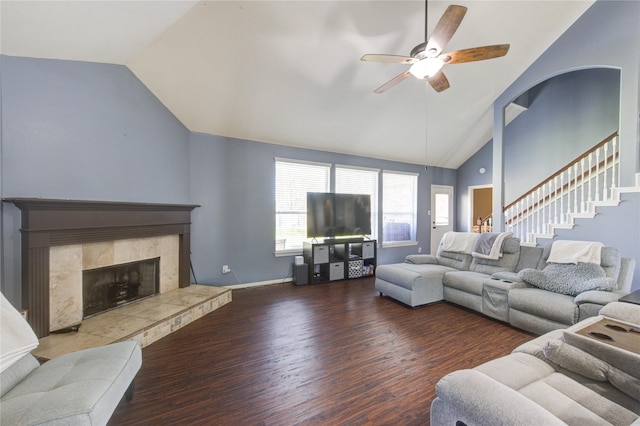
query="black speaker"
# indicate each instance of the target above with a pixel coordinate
(301, 274)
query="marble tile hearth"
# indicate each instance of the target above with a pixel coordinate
(146, 320)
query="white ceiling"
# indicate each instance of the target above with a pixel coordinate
(288, 72)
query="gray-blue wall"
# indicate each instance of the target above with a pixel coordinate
(469, 175)
(91, 131)
(568, 114)
(234, 182)
(84, 131)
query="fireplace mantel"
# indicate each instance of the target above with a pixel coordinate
(46, 223)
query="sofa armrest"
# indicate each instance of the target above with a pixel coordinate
(479, 397)
(503, 284)
(598, 297)
(421, 259)
(625, 277)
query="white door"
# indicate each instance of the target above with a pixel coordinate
(441, 213)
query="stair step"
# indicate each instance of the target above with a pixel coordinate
(562, 226)
(610, 203)
(585, 215)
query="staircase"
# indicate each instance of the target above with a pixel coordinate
(574, 192)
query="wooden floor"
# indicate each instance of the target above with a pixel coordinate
(334, 354)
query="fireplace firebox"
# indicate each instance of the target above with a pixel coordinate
(112, 286)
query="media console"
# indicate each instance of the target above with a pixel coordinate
(339, 259)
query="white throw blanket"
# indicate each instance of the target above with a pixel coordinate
(489, 245)
(459, 242)
(16, 336)
(563, 251)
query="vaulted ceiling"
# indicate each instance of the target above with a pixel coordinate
(289, 72)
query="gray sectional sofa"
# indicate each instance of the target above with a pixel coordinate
(563, 377)
(496, 287)
(78, 388)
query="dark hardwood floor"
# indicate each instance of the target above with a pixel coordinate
(334, 353)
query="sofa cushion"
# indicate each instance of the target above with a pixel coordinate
(530, 257)
(467, 281)
(565, 397)
(573, 400)
(610, 260)
(459, 261)
(627, 312)
(542, 303)
(506, 263)
(407, 274)
(578, 361)
(79, 388)
(569, 278)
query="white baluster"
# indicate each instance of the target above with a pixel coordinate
(549, 210)
(529, 219)
(614, 153)
(568, 190)
(517, 228)
(605, 185)
(555, 201)
(597, 196)
(575, 187)
(590, 197)
(541, 210)
(583, 205)
(561, 197)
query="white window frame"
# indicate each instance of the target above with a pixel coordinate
(411, 212)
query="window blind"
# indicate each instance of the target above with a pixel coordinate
(293, 180)
(399, 206)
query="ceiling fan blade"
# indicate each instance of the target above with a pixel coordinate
(444, 30)
(475, 54)
(395, 80)
(439, 81)
(391, 59)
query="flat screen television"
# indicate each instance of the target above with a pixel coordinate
(332, 215)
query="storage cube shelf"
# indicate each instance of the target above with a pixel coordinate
(339, 259)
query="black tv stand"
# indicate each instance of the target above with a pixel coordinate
(340, 240)
(339, 258)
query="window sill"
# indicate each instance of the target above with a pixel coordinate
(399, 244)
(288, 253)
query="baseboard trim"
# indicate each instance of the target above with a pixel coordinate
(259, 283)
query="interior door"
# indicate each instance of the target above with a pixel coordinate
(441, 213)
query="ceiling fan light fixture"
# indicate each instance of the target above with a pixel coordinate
(426, 67)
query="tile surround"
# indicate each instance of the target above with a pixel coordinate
(146, 321)
(67, 263)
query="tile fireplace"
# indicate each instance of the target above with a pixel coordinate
(62, 238)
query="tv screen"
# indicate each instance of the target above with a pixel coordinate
(338, 215)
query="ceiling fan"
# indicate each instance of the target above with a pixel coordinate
(427, 59)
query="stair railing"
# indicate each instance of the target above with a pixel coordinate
(570, 192)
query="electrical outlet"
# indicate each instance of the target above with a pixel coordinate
(225, 269)
(419, 249)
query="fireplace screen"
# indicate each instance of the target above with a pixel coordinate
(112, 286)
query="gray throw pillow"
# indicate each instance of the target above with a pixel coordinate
(569, 278)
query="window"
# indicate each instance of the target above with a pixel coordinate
(441, 210)
(399, 207)
(351, 180)
(293, 180)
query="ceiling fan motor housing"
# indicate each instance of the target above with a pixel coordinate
(418, 52)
